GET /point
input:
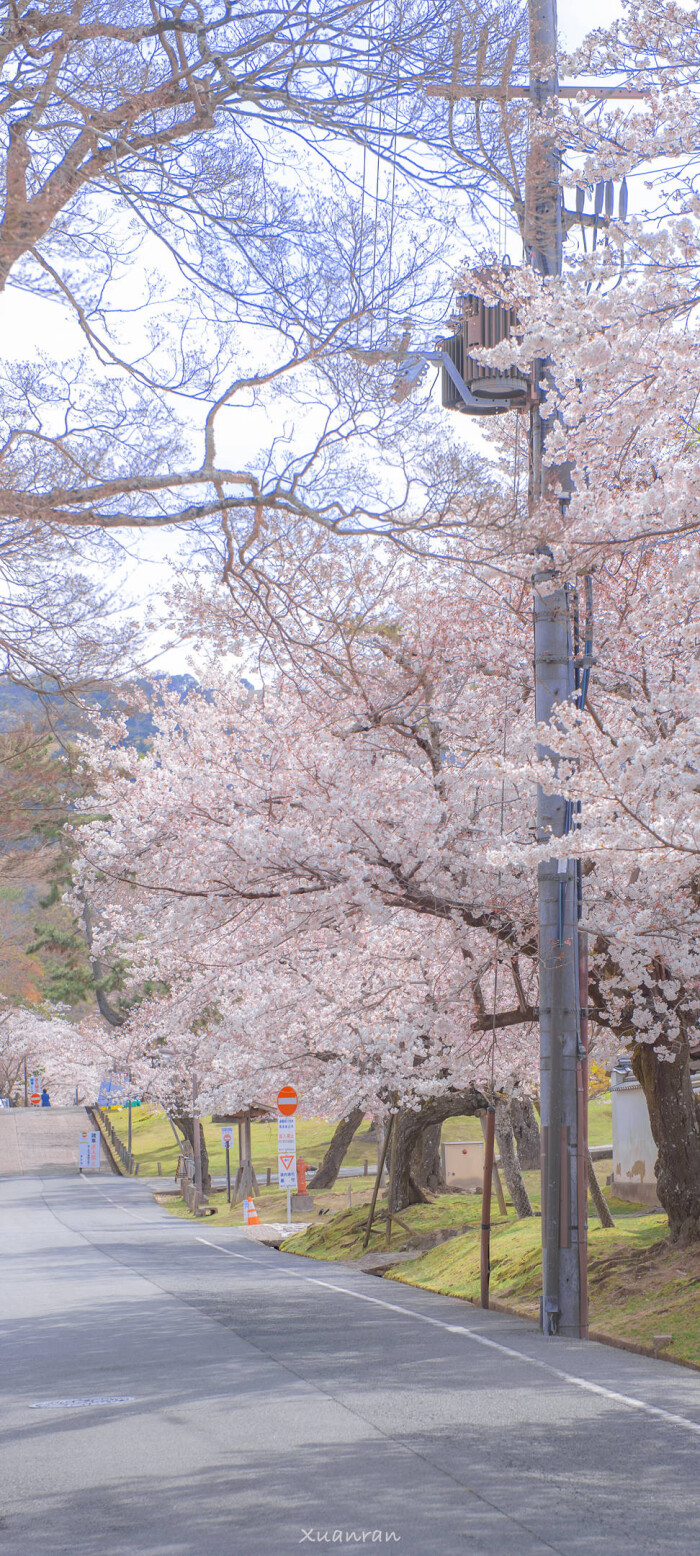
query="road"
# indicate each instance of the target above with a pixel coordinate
(267, 1404)
(42, 1140)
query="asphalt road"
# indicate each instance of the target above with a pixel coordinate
(264, 1404)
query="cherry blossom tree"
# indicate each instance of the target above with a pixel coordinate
(315, 833)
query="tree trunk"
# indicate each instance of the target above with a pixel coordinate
(527, 1133)
(328, 1171)
(597, 1195)
(185, 1122)
(426, 1162)
(412, 1126)
(675, 1125)
(510, 1165)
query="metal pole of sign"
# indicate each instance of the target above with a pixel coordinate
(228, 1173)
(289, 1207)
(129, 1106)
(26, 1086)
(195, 1133)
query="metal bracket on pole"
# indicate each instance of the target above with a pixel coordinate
(411, 372)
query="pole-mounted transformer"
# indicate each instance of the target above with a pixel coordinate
(492, 390)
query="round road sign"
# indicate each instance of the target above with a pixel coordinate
(287, 1101)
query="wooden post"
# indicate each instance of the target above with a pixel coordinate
(503, 1208)
(489, 1135)
(583, 1157)
(391, 1191)
(380, 1168)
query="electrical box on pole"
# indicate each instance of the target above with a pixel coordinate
(483, 324)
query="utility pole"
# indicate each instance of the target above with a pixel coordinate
(560, 670)
(562, 1054)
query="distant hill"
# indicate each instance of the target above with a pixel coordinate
(30, 907)
(21, 702)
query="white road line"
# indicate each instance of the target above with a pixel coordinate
(134, 1216)
(480, 1339)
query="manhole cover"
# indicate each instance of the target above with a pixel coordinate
(74, 1404)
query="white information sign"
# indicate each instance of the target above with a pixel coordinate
(287, 1153)
(89, 1150)
(227, 1135)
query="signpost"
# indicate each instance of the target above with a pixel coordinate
(89, 1151)
(287, 1103)
(227, 1142)
(35, 1091)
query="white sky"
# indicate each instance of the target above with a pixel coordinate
(578, 17)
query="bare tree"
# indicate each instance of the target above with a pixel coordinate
(147, 153)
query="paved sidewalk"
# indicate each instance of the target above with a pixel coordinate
(41, 1140)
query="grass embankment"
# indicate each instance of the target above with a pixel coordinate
(153, 1140)
(342, 1238)
(639, 1284)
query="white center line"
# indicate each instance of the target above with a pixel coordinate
(480, 1339)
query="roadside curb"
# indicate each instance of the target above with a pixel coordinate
(598, 1335)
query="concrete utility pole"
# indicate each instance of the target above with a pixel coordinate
(561, 1051)
(562, 953)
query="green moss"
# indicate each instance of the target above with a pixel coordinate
(343, 1236)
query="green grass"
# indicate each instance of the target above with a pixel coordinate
(153, 1139)
(153, 1142)
(343, 1236)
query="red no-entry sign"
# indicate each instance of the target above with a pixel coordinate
(287, 1101)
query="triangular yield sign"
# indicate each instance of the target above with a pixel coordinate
(287, 1161)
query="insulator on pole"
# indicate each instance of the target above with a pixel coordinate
(599, 196)
(622, 204)
(609, 197)
(580, 199)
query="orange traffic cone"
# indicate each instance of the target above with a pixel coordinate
(253, 1217)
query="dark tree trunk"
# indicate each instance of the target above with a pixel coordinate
(675, 1125)
(597, 1195)
(510, 1165)
(185, 1123)
(412, 1125)
(426, 1162)
(328, 1171)
(527, 1133)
